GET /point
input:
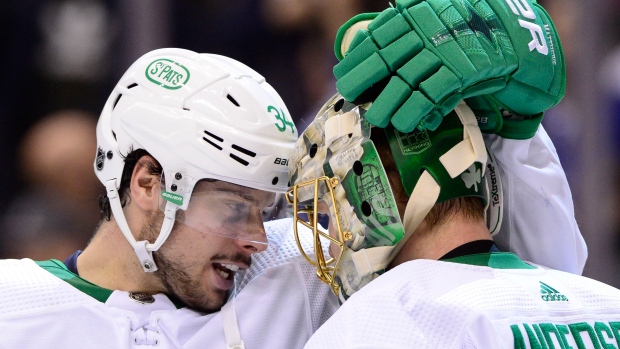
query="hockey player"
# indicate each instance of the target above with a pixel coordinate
(192, 151)
(533, 182)
(413, 260)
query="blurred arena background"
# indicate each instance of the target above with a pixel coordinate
(61, 58)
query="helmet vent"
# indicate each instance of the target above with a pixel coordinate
(358, 168)
(339, 105)
(213, 144)
(366, 209)
(132, 86)
(116, 101)
(232, 100)
(219, 139)
(313, 150)
(240, 160)
(243, 150)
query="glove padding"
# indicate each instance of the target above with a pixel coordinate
(418, 60)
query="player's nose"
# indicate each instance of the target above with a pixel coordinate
(256, 238)
(258, 244)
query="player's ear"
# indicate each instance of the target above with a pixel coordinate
(144, 186)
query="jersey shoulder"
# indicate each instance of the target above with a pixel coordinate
(27, 287)
(438, 304)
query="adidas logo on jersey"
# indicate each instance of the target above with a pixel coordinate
(550, 294)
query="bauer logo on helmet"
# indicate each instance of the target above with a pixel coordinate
(174, 198)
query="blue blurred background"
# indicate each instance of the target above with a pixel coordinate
(61, 59)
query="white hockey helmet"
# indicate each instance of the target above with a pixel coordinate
(201, 116)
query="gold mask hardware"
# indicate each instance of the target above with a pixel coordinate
(326, 269)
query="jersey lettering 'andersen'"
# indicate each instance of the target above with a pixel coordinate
(581, 335)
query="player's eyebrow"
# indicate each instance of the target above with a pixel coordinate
(240, 194)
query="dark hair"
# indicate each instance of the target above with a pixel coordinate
(470, 207)
(131, 160)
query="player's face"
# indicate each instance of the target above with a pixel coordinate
(198, 266)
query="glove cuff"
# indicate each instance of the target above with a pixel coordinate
(521, 128)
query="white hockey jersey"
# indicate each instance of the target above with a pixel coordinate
(490, 300)
(539, 220)
(47, 306)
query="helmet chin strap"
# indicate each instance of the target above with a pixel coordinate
(143, 249)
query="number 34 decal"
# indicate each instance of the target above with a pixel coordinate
(283, 122)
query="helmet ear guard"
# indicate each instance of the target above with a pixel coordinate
(434, 166)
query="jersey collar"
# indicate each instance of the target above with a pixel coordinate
(58, 269)
(496, 260)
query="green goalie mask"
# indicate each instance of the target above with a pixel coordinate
(335, 166)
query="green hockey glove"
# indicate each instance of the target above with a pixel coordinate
(418, 60)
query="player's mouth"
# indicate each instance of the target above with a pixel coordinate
(225, 274)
